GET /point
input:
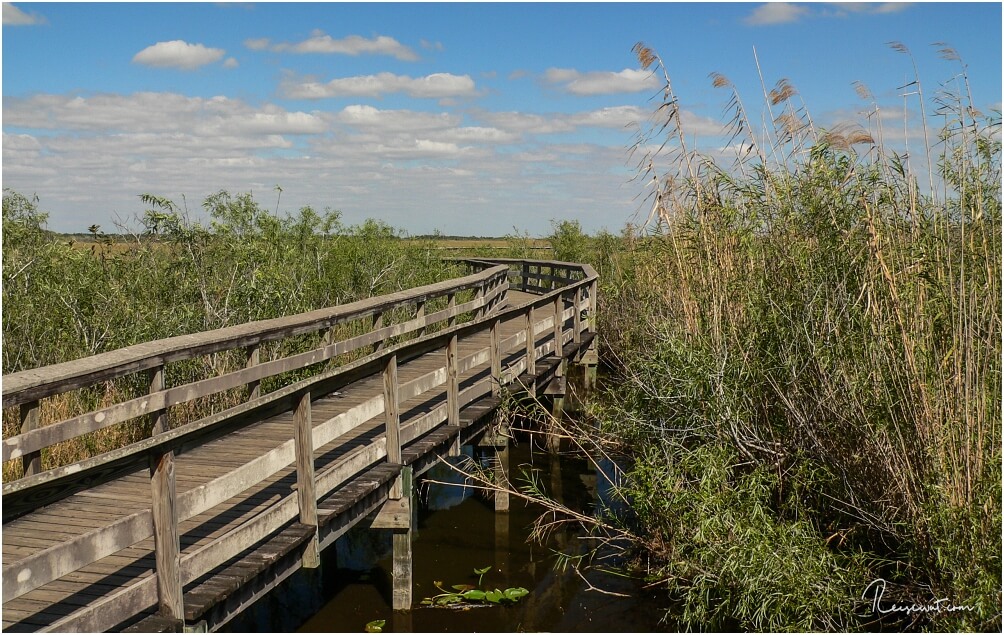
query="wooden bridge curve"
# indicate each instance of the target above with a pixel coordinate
(199, 518)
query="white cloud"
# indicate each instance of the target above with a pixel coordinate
(257, 44)
(231, 63)
(178, 54)
(155, 112)
(436, 85)
(319, 42)
(870, 7)
(601, 82)
(776, 13)
(12, 16)
(89, 156)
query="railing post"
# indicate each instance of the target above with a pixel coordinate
(157, 384)
(577, 317)
(480, 311)
(593, 305)
(531, 351)
(453, 391)
(451, 303)
(378, 324)
(306, 493)
(31, 463)
(559, 306)
(420, 313)
(254, 358)
(166, 540)
(526, 276)
(496, 358)
(392, 416)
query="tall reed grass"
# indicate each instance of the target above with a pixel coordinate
(808, 346)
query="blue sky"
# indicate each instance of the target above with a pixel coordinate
(473, 119)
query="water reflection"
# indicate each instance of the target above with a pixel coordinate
(458, 531)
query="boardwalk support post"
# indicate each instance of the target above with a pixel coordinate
(306, 493)
(401, 547)
(501, 479)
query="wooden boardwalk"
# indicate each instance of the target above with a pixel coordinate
(194, 523)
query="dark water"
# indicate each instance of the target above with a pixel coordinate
(458, 531)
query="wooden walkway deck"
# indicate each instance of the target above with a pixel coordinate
(223, 508)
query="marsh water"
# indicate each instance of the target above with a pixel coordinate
(459, 531)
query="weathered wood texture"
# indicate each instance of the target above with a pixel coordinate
(169, 522)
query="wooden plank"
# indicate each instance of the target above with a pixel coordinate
(30, 573)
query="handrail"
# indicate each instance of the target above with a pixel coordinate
(26, 388)
(161, 520)
(29, 385)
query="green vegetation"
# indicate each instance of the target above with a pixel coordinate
(471, 594)
(807, 374)
(804, 351)
(64, 300)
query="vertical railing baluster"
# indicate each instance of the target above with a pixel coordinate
(576, 317)
(593, 304)
(157, 384)
(253, 359)
(378, 324)
(452, 383)
(392, 416)
(496, 358)
(558, 324)
(531, 350)
(306, 493)
(420, 314)
(31, 463)
(480, 311)
(453, 391)
(166, 539)
(451, 303)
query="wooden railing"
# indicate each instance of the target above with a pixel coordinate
(569, 288)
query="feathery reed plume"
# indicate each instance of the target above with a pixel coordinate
(782, 91)
(739, 122)
(902, 48)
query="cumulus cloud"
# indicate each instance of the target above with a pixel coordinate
(178, 54)
(231, 63)
(776, 13)
(601, 82)
(320, 42)
(474, 172)
(436, 85)
(12, 16)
